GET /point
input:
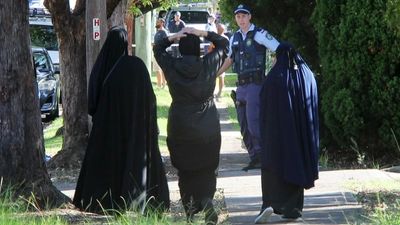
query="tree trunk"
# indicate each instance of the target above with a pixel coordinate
(70, 29)
(21, 137)
(118, 16)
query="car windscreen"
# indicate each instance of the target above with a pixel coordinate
(41, 62)
(193, 16)
(43, 36)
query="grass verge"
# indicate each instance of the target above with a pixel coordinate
(53, 140)
(380, 200)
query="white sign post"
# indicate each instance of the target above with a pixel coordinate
(96, 29)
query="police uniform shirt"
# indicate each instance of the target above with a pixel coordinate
(262, 37)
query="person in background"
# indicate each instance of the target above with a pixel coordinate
(193, 130)
(210, 26)
(221, 78)
(290, 135)
(177, 24)
(122, 163)
(247, 53)
(160, 34)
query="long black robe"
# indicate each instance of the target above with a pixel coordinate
(194, 135)
(289, 129)
(122, 162)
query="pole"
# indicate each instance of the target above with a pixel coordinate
(143, 38)
(96, 33)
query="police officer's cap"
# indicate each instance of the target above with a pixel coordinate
(242, 9)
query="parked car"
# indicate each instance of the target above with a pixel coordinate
(48, 83)
(36, 7)
(42, 34)
(194, 15)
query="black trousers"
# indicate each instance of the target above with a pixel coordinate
(283, 197)
(196, 164)
(196, 188)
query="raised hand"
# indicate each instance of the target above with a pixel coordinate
(177, 36)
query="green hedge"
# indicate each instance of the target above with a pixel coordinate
(359, 48)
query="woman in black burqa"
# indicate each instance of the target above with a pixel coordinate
(290, 134)
(194, 135)
(122, 164)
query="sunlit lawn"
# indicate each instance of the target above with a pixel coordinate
(163, 103)
(53, 142)
(230, 83)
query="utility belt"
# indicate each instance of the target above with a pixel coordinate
(249, 78)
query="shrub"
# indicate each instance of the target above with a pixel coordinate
(360, 58)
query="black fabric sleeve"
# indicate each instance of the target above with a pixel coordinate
(216, 57)
(164, 59)
(218, 41)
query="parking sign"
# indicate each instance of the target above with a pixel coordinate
(96, 29)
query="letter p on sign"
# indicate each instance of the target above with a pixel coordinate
(96, 29)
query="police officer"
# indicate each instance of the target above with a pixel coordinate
(247, 53)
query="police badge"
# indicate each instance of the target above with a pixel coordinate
(248, 42)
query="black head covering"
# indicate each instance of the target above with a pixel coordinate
(190, 45)
(287, 55)
(115, 46)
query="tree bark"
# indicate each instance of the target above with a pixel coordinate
(70, 29)
(117, 18)
(21, 137)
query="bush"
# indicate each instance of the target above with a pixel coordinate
(360, 58)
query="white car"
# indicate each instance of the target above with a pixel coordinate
(193, 16)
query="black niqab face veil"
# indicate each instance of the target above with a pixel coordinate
(115, 46)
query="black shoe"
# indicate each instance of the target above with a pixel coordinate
(253, 164)
(292, 215)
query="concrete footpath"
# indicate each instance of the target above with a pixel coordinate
(329, 202)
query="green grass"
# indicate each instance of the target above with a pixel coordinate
(380, 200)
(231, 110)
(53, 142)
(163, 103)
(230, 79)
(387, 217)
(15, 211)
